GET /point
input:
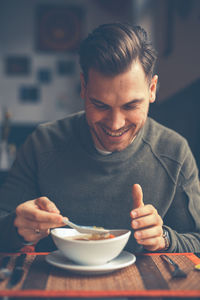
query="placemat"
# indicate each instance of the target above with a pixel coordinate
(149, 276)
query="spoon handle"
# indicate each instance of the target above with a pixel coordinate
(5, 261)
(85, 229)
(70, 224)
(169, 260)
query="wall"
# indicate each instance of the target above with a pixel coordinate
(180, 67)
(18, 23)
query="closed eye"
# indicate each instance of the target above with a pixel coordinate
(99, 105)
(132, 105)
(129, 107)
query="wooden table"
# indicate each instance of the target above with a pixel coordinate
(148, 277)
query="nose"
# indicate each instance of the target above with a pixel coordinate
(116, 120)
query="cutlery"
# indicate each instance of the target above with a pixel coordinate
(177, 272)
(86, 229)
(4, 271)
(17, 272)
(197, 254)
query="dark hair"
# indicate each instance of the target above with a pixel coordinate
(111, 48)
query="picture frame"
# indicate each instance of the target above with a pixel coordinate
(29, 94)
(17, 65)
(59, 28)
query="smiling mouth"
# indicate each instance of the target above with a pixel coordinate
(115, 133)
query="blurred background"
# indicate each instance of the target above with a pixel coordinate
(39, 70)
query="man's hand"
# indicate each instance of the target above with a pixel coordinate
(34, 219)
(146, 222)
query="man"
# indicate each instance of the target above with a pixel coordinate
(111, 166)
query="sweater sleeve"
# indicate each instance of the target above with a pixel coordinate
(10, 239)
(21, 183)
(183, 217)
(20, 186)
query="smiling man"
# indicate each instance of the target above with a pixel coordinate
(117, 107)
(110, 165)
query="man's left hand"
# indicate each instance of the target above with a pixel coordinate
(146, 222)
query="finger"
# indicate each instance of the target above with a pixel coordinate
(32, 224)
(147, 221)
(143, 211)
(148, 233)
(152, 244)
(31, 235)
(137, 195)
(29, 210)
(45, 204)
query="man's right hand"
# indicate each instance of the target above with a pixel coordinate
(34, 218)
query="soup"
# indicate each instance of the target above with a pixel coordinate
(91, 237)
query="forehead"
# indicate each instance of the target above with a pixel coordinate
(128, 85)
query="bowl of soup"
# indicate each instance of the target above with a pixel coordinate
(90, 249)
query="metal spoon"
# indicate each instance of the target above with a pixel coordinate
(86, 229)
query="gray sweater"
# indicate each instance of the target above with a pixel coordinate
(59, 161)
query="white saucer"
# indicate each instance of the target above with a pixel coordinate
(125, 259)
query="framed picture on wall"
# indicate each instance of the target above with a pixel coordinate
(58, 28)
(17, 65)
(44, 76)
(29, 94)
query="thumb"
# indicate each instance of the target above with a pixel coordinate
(45, 204)
(137, 196)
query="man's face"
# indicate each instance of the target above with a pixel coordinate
(117, 107)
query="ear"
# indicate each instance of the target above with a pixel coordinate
(153, 87)
(83, 86)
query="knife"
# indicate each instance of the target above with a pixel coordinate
(177, 272)
(4, 271)
(17, 272)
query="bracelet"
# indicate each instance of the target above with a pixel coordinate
(166, 239)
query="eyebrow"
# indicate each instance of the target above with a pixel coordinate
(134, 101)
(139, 100)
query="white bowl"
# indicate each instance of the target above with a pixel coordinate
(90, 252)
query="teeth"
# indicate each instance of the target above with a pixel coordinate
(116, 134)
